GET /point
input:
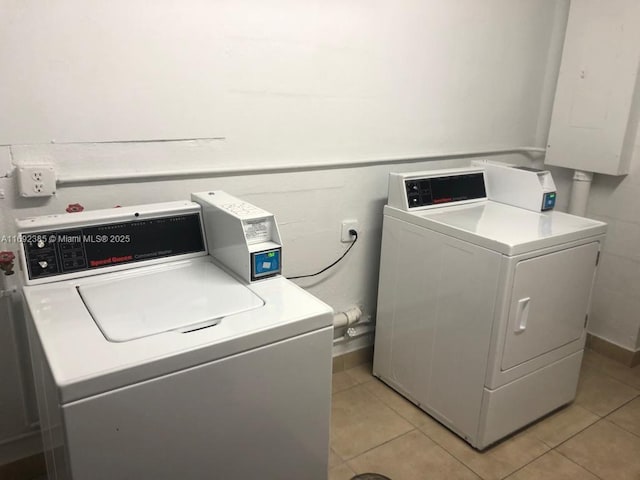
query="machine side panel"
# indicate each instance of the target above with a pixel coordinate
(387, 295)
(225, 240)
(435, 315)
(257, 414)
(49, 410)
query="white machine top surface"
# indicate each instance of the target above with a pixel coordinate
(180, 295)
(503, 228)
(84, 363)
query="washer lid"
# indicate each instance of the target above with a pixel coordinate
(183, 296)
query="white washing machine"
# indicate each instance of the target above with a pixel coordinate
(153, 361)
(482, 306)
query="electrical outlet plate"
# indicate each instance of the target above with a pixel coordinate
(36, 180)
(345, 236)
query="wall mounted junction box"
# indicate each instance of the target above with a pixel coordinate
(596, 110)
(36, 180)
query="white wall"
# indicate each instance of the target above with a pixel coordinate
(280, 80)
(257, 84)
(616, 299)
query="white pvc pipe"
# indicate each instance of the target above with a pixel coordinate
(357, 331)
(346, 318)
(580, 192)
(232, 171)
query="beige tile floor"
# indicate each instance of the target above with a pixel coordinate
(373, 429)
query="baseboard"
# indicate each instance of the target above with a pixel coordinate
(352, 359)
(25, 468)
(613, 351)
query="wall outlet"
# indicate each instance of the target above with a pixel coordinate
(345, 236)
(36, 180)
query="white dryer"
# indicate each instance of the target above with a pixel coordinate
(152, 361)
(482, 306)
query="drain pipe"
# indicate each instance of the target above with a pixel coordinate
(347, 318)
(356, 326)
(580, 192)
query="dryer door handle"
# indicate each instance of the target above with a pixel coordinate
(522, 314)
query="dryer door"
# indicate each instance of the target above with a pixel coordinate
(549, 303)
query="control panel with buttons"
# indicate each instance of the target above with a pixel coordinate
(436, 190)
(41, 256)
(66, 251)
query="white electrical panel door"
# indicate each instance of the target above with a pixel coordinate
(549, 303)
(596, 106)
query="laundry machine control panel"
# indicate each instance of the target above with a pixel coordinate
(444, 189)
(57, 252)
(242, 236)
(430, 189)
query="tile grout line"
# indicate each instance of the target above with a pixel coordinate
(343, 390)
(600, 418)
(413, 427)
(403, 398)
(348, 388)
(552, 449)
(622, 428)
(618, 408)
(619, 380)
(376, 446)
(609, 413)
(455, 458)
(602, 371)
(417, 430)
(526, 464)
(579, 431)
(576, 463)
(533, 460)
(611, 377)
(555, 449)
(417, 427)
(399, 395)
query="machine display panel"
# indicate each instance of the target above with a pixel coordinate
(548, 201)
(446, 189)
(97, 246)
(265, 263)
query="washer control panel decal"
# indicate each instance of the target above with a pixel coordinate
(71, 250)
